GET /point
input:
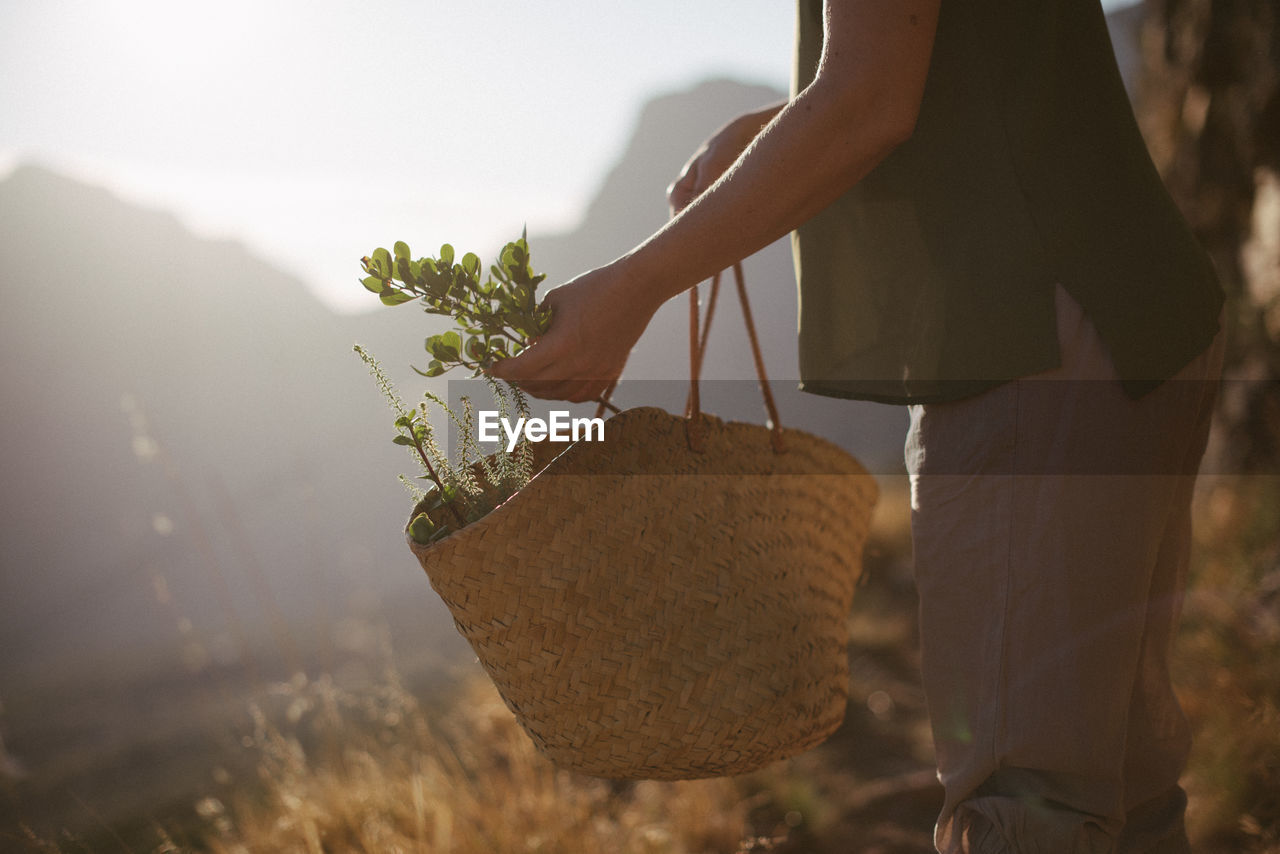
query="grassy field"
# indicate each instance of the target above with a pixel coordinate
(369, 759)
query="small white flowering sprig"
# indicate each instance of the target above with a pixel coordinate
(457, 496)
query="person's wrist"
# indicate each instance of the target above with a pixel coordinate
(637, 285)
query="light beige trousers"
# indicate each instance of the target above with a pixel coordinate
(1051, 522)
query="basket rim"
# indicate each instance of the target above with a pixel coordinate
(621, 418)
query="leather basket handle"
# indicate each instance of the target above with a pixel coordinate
(698, 332)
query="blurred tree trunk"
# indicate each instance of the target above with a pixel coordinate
(1209, 105)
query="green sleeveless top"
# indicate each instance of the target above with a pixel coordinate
(933, 278)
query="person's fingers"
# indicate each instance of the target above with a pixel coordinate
(686, 176)
(530, 363)
(680, 198)
(571, 390)
(586, 390)
(575, 359)
(533, 361)
(541, 370)
(683, 189)
(547, 389)
(551, 381)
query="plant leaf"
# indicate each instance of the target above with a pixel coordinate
(394, 297)
(382, 260)
(422, 529)
(471, 263)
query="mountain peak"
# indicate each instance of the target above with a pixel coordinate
(38, 188)
(631, 201)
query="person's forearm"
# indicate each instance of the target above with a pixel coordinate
(793, 170)
(813, 150)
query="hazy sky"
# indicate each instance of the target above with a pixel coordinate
(315, 130)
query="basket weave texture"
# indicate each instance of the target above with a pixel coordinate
(648, 611)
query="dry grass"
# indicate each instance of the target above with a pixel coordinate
(375, 769)
(375, 772)
(1228, 667)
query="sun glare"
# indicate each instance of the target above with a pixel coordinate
(179, 42)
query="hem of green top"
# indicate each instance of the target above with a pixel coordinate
(900, 393)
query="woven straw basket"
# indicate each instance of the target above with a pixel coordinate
(648, 610)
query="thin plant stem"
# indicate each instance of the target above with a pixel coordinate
(457, 514)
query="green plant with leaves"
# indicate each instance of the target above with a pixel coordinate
(497, 316)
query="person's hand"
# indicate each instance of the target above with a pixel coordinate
(596, 320)
(715, 156)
